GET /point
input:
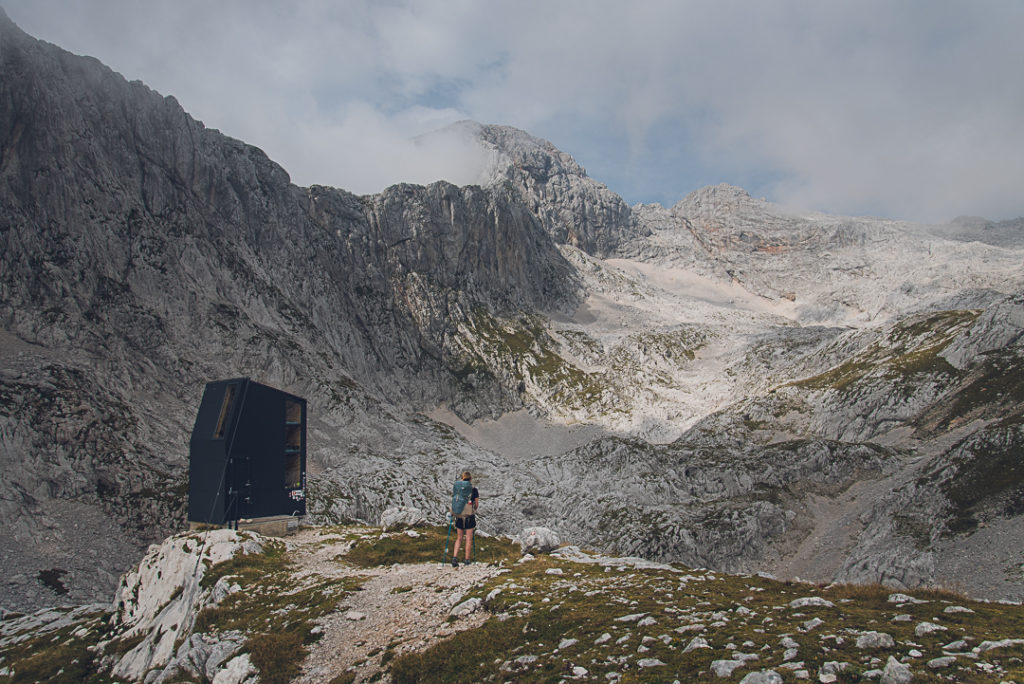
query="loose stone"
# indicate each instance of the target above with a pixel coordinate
(939, 663)
(925, 628)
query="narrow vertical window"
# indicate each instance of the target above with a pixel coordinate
(225, 411)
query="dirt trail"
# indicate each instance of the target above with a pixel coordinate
(404, 605)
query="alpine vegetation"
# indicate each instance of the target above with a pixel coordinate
(356, 603)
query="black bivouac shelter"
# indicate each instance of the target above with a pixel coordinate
(247, 455)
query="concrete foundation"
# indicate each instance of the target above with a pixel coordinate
(270, 526)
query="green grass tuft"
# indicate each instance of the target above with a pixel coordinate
(274, 655)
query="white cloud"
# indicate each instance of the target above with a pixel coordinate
(908, 109)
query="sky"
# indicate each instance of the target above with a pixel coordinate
(910, 110)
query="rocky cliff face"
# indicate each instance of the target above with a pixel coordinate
(573, 208)
(142, 253)
(723, 382)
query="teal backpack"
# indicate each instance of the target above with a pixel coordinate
(462, 493)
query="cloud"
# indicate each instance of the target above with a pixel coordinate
(908, 110)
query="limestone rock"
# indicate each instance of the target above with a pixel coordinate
(957, 609)
(159, 598)
(870, 640)
(695, 643)
(203, 657)
(926, 628)
(725, 668)
(986, 646)
(941, 662)
(811, 624)
(762, 677)
(650, 662)
(811, 602)
(538, 540)
(1000, 327)
(571, 206)
(896, 672)
(466, 607)
(398, 517)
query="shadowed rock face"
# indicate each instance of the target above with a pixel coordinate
(142, 255)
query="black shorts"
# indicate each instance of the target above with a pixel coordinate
(465, 523)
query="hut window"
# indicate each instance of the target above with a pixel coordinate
(225, 411)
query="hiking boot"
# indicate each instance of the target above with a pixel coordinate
(455, 562)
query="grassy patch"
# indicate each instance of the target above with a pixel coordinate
(910, 351)
(64, 656)
(274, 653)
(428, 547)
(250, 567)
(518, 350)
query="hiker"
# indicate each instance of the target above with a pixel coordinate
(464, 524)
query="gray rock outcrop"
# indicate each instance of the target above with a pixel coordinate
(573, 208)
(538, 540)
(398, 517)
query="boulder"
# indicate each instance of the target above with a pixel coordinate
(870, 640)
(985, 646)
(896, 672)
(466, 607)
(695, 643)
(939, 663)
(399, 517)
(649, 662)
(811, 602)
(926, 628)
(724, 668)
(538, 540)
(762, 677)
(238, 670)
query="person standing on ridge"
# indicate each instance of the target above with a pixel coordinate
(464, 523)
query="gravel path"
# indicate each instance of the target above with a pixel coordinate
(405, 605)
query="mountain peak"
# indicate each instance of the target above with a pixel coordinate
(573, 208)
(715, 197)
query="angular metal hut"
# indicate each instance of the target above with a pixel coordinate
(247, 455)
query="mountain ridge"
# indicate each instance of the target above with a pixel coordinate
(725, 353)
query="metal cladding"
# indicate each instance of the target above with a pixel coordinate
(247, 454)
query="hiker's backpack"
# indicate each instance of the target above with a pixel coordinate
(462, 493)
